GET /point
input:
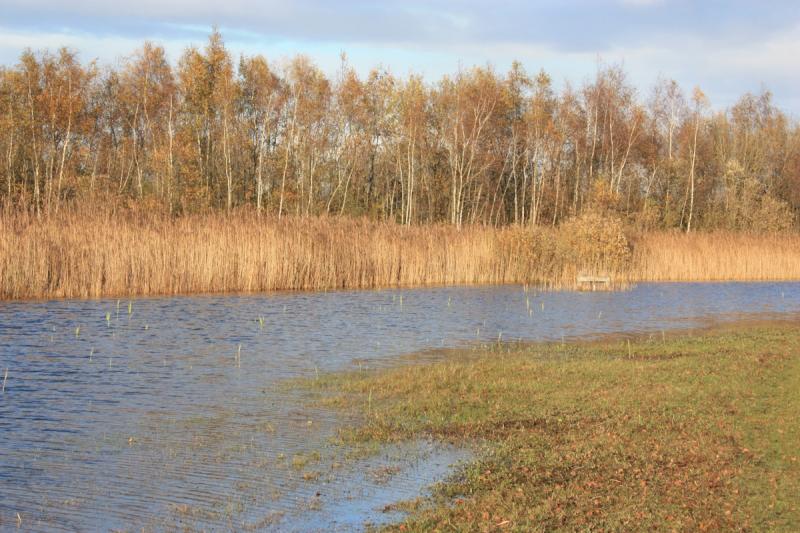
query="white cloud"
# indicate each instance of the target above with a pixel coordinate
(725, 63)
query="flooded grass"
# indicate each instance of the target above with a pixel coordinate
(688, 432)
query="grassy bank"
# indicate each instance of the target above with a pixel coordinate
(103, 254)
(687, 433)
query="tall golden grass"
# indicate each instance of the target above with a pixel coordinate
(92, 256)
(86, 256)
(715, 256)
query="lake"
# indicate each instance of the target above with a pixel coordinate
(172, 412)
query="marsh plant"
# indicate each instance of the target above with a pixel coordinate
(94, 255)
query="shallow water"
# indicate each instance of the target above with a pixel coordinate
(158, 419)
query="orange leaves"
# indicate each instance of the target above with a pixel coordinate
(475, 147)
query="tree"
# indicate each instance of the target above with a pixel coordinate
(147, 91)
(700, 102)
(474, 147)
(465, 105)
(261, 107)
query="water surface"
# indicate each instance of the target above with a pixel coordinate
(170, 413)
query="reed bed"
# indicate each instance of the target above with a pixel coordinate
(715, 256)
(92, 256)
(86, 256)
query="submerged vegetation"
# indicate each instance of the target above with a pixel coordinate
(102, 254)
(663, 433)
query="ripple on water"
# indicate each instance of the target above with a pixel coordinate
(157, 419)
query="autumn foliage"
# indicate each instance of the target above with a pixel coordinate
(215, 173)
(210, 131)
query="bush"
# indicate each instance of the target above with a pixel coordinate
(754, 209)
(773, 215)
(595, 242)
(592, 242)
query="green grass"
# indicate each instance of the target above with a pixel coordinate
(692, 433)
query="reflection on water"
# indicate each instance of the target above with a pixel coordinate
(169, 413)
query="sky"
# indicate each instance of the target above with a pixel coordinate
(726, 47)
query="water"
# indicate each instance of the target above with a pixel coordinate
(158, 419)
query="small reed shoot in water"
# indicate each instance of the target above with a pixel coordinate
(77, 331)
(91, 353)
(239, 356)
(260, 322)
(108, 319)
(5, 378)
(130, 307)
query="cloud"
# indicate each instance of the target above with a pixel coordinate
(726, 46)
(566, 24)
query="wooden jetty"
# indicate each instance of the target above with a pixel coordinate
(587, 282)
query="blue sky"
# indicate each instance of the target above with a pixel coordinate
(727, 47)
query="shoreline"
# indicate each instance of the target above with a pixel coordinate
(730, 361)
(288, 292)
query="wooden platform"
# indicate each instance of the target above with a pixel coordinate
(593, 283)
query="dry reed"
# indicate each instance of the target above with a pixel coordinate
(86, 256)
(92, 256)
(716, 256)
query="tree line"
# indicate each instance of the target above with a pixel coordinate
(217, 132)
